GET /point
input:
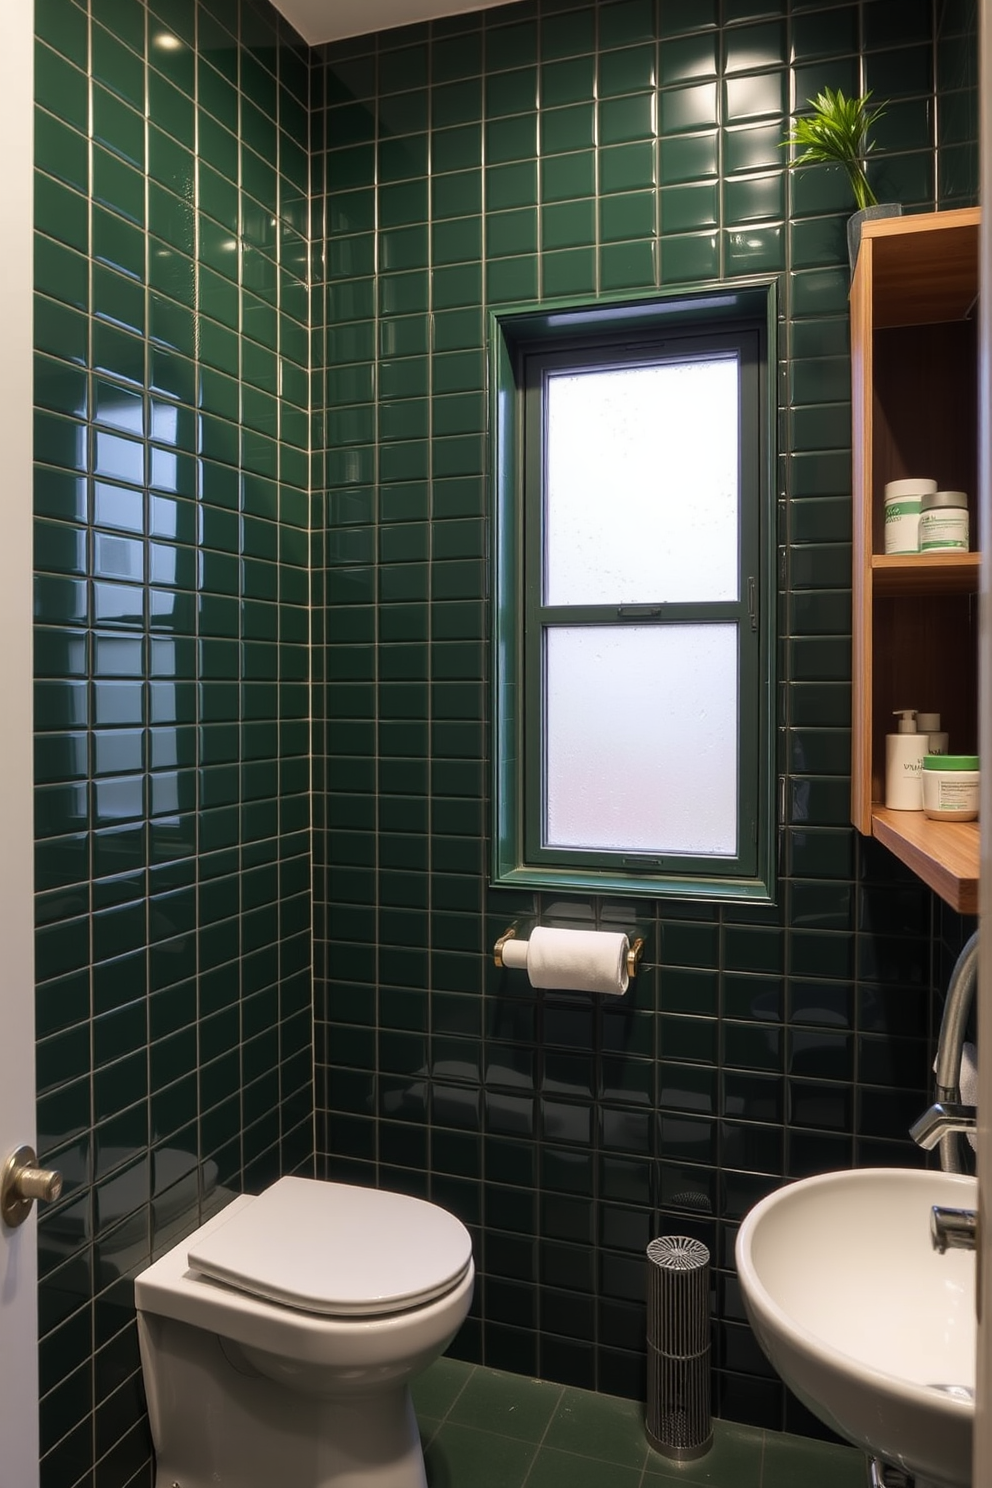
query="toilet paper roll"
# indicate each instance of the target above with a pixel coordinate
(514, 953)
(577, 960)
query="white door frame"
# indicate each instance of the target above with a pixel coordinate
(18, 1248)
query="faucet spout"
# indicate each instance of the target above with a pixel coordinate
(953, 1229)
(941, 1119)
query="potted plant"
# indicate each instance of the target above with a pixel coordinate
(836, 132)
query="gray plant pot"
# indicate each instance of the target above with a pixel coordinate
(867, 214)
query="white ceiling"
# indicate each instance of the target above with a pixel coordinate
(330, 20)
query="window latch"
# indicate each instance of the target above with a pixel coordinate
(638, 612)
(752, 601)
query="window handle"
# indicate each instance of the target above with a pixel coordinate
(638, 612)
(752, 601)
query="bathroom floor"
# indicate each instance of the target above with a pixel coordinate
(485, 1429)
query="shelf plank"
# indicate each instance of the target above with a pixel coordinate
(925, 573)
(924, 266)
(943, 854)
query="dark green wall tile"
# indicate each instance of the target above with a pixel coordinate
(60, 88)
(566, 176)
(685, 208)
(626, 167)
(61, 213)
(126, 587)
(688, 108)
(624, 119)
(61, 151)
(632, 70)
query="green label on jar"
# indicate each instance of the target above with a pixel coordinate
(944, 528)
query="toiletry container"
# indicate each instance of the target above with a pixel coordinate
(904, 751)
(902, 513)
(943, 521)
(936, 740)
(950, 787)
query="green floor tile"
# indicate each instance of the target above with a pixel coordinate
(508, 1403)
(429, 1428)
(435, 1391)
(554, 1469)
(599, 1426)
(795, 1459)
(733, 1461)
(459, 1457)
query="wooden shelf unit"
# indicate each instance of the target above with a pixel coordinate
(943, 854)
(925, 573)
(914, 374)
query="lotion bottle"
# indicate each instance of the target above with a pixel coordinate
(904, 751)
(929, 724)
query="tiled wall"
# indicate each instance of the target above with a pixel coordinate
(547, 150)
(173, 819)
(485, 159)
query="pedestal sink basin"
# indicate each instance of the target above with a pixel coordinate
(863, 1319)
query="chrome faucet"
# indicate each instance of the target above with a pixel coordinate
(953, 1229)
(940, 1120)
(950, 1229)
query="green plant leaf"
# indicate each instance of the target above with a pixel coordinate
(837, 132)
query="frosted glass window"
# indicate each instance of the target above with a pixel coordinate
(664, 782)
(642, 483)
(634, 595)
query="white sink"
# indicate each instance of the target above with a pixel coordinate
(863, 1319)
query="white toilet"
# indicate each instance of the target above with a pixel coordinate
(278, 1341)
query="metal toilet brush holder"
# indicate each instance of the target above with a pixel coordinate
(679, 1418)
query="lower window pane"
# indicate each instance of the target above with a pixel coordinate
(641, 731)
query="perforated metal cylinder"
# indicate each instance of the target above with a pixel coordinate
(679, 1420)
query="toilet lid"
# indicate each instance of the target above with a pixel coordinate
(337, 1249)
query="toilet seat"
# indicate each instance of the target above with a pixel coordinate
(336, 1249)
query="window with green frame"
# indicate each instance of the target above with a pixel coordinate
(634, 597)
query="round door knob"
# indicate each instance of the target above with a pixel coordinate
(23, 1182)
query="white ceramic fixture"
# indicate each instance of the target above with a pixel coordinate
(863, 1319)
(279, 1340)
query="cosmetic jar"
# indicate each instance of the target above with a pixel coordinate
(950, 787)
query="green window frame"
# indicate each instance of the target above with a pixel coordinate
(529, 345)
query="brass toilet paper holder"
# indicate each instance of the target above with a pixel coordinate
(634, 954)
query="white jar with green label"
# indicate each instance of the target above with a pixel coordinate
(902, 513)
(943, 521)
(950, 787)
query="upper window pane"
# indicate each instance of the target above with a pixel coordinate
(642, 471)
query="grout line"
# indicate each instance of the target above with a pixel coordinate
(539, 1444)
(472, 1370)
(439, 1421)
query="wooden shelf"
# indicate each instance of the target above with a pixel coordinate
(923, 267)
(915, 406)
(943, 854)
(925, 573)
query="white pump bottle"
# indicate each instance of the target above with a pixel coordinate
(904, 751)
(937, 739)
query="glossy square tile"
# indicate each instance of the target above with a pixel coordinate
(632, 70)
(622, 120)
(689, 107)
(627, 167)
(566, 176)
